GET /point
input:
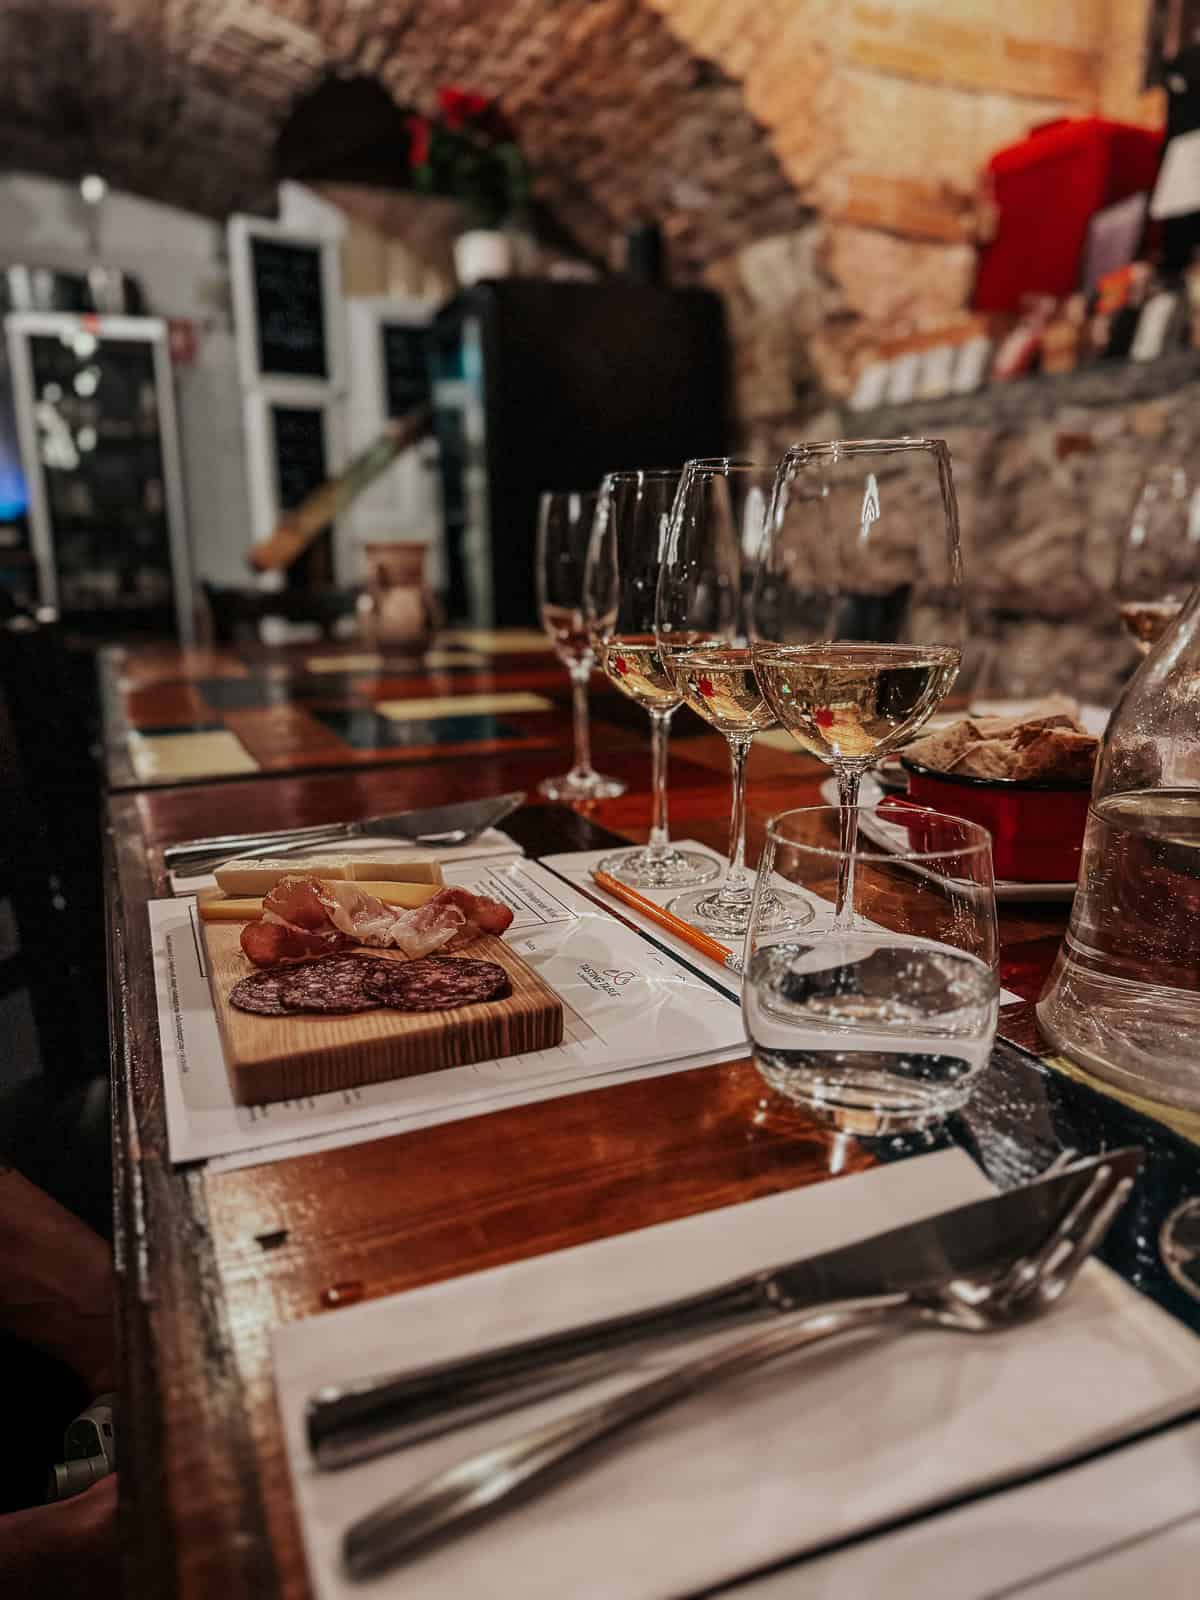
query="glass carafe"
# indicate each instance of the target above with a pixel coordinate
(1123, 998)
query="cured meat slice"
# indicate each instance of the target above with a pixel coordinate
(312, 909)
(467, 914)
(262, 993)
(334, 983)
(268, 942)
(437, 983)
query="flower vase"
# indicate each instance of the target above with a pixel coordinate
(482, 253)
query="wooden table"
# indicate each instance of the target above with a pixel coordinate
(208, 1263)
(176, 716)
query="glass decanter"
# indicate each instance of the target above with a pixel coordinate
(1123, 998)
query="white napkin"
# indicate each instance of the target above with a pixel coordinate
(799, 1454)
(1125, 1523)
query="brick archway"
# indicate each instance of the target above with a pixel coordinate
(181, 100)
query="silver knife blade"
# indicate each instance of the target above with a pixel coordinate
(469, 815)
(350, 1422)
(473, 816)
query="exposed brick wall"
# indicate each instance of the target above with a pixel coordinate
(816, 159)
(181, 99)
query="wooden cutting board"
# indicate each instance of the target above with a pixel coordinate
(284, 1058)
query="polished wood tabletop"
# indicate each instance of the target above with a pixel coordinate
(208, 1263)
(175, 716)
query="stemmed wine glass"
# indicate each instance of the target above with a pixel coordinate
(620, 584)
(563, 530)
(1160, 557)
(700, 624)
(857, 611)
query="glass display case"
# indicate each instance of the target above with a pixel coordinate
(96, 422)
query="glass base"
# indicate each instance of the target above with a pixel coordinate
(868, 1107)
(678, 869)
(581, 785)
(704, 910)
(1179, 1246)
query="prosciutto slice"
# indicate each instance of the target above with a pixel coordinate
(305, 916)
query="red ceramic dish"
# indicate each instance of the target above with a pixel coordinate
(1036, 827)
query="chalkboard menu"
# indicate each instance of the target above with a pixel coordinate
(405, 368)
(301, 465)
(289, 309)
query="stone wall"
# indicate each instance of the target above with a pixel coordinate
(1046, 471)
(883, 114)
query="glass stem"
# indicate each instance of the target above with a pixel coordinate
(848, 781)
(579, 703)
(735, 891)
(660, 840)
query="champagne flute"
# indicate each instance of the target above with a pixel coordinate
(1160, 557)
(703, 588)
(857, 611)
(563, 530)
(620, 584)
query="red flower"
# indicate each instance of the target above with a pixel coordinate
(705, 687)
(823, 718)
(619, 665)
(460, 106)
(420, 136)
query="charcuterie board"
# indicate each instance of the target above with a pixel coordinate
(289, 1057)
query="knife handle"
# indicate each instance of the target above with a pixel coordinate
(350, 1422)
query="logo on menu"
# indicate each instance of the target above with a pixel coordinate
(610, 981)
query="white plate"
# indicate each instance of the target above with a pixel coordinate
(893, 837)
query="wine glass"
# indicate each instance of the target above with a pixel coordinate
(884, 1025)
(856, 617)
(620, 583)
(1160, 557)
(563, 530)
(700, 624)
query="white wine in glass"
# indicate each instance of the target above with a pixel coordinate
(1160, 556)
(857, 614)
(632, 661)
(620, 584)
(854, 702)
(564, 528)
(719, 684)
(703, 587)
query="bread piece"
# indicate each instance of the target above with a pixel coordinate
(942, 749)
(990, 758)
(1058, 755)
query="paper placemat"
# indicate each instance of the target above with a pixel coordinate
(577, 867)
(188, 755)
(461, 705)
(490, 845)
(794, 1457)
(1124, 1524)
(630, 1008)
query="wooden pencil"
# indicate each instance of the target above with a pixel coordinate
(703, 942)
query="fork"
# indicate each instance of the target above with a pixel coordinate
(477, 1487)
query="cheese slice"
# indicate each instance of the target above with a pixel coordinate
(216, 907)
(260, 877)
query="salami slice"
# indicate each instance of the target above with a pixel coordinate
(331, 983)
(437, 983)
(262, 993)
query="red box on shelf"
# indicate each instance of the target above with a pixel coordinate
(1047, 188)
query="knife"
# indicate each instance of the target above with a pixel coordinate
(436, 825)
(350, 1422)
